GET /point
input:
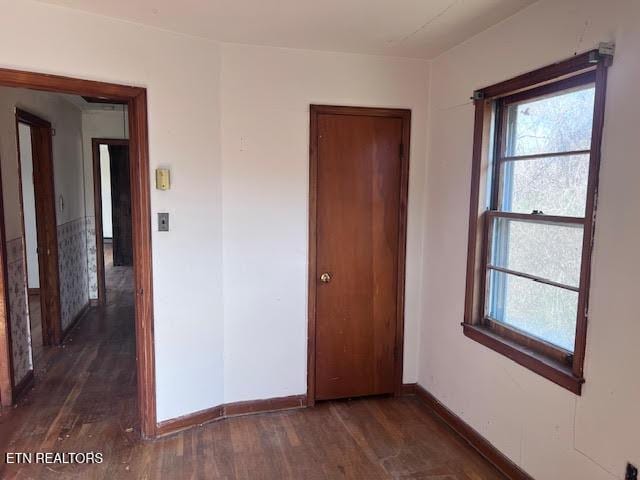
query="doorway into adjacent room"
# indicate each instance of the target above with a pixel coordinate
(38, 253)
(112, 200)
(111, 349)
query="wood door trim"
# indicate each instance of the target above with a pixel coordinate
(46, 225)
(6, 350)
(136, 100)
(97, 205)
(405, 116)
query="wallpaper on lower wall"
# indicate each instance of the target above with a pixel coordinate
(74, 288)
(92, 258)
(72, 265)
(18, 312)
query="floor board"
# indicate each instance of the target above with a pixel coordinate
(84, 400)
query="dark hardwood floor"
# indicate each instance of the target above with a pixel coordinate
(84, 400)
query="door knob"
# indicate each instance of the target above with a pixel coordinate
(325, 277)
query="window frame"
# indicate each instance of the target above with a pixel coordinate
(552, 362)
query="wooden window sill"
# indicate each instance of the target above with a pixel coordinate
(550, 369)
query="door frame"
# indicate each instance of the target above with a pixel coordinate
(405, 116)
(136, 100)
(46, 224)
(97, 202)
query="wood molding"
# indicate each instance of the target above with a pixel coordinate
(103, 100)
(588, 236)
(136, 100)
(468, 434)
(313, 270)
(175, 425)
(6, 351)
(409, 389)
(541, 364)
(583, 61)
(266, 405)
(60, 84)
(97, 216)
(227, 410)
(23, 386)
(142, 263)
(405, 115)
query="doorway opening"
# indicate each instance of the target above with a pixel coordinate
(112, 201)
(50, 268)
(39, 245)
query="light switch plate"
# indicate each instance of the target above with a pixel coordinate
(163, 222)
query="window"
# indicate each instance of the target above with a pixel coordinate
(536, 161)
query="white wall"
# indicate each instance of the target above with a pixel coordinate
(545, 429)
(105, 190)
(266, 94)
(266, 317)
(28, 205)
(181, 75)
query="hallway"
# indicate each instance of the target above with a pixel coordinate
(85, 391)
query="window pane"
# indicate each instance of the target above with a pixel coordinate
(557, 123)
(540, 310)
(550, 251)
(553, 185)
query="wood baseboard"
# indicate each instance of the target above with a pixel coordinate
(33, 291)
(174, 425)
(408, 389)
(94, 302)
(266, 405)
(75, 320)
(190, 420)
(23, 386)
(467, 433)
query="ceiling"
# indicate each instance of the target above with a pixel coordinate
(407, 28)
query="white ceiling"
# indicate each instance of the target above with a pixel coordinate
(407, 28)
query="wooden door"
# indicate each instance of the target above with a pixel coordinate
(121, 205)
(360, 198)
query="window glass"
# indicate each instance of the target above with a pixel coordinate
(550, 251)
(538, 309)
(558, 123)
(552, 185)
(546, 182)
